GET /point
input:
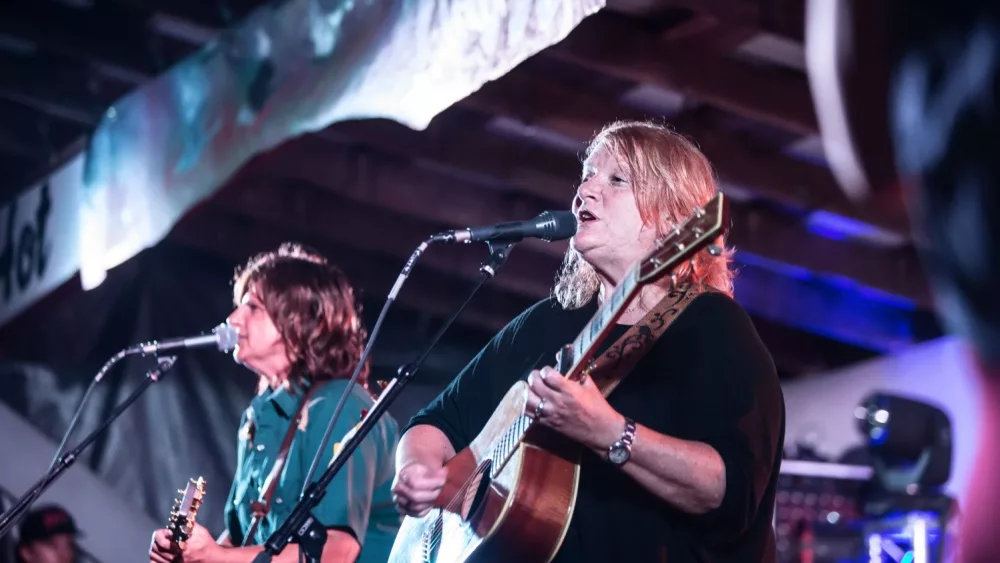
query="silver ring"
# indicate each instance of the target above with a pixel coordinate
(538, 409)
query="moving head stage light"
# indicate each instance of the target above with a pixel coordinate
(909, 518)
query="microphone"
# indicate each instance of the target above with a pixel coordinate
(223, 336)
(548, 226)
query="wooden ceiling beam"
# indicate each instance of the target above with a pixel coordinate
(324, 219)
(234, 237)
(830, 310)
(400, 186)
(896, 273)
(340, 216)
(58, 95)
(237, 236)
(309, 213)
(792, 183)
(784, 18)
(734, 12)
(213, 14)
(533, 99)
(801, 353)
(33, 134)
(456, 201)
(612, 44)
(455, 144)
(102, 36)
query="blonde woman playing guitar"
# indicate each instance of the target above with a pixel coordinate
(678, 462)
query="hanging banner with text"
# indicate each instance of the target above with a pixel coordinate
(39, 236)
(290, 68)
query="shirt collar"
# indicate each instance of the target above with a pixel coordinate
(285, 399)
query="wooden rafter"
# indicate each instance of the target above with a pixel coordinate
(237, 235)
(449, 198)
(607, 43)
(536, 100)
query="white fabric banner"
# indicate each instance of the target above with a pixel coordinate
(294, 67)
(39, 236)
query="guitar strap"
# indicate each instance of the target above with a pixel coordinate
(262, 505)
(617, 361)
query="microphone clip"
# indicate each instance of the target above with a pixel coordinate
(499, 253)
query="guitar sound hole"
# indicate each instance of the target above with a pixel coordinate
(482, 489)
(432, 537)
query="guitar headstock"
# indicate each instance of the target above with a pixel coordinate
(185, 511)
(703, 227)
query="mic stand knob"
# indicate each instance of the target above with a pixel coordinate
(499, 252)
(405, 371)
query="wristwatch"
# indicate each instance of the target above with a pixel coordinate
(621, 451)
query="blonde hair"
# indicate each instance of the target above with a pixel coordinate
(670, 178)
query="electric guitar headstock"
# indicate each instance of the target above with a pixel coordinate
(185, 511)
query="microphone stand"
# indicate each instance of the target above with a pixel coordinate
(17, 512)
(301, 526)
(83, 401)
(154, 347)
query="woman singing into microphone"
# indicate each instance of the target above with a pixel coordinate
(300, 331)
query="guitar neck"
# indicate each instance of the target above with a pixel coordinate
(680, 244)
(582, 350)
(601, 323)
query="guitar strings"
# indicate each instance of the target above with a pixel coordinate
(509, 443)
(438, 527)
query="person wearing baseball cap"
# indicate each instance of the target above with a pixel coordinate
(48, 535)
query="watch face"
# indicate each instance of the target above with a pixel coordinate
(618, 454)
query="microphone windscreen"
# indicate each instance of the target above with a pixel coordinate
(227, 336)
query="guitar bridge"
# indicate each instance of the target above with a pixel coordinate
(429, 539)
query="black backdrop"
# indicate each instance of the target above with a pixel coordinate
(186, 425)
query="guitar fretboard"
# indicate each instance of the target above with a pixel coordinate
(582, 351)
(606, 314)
(506, 445)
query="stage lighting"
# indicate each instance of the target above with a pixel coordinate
(909, 441)
(908, 517)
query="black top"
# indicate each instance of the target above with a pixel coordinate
(708, 378)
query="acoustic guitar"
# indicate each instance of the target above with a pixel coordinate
(185, 511)
(509, 495)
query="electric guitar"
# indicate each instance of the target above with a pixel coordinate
(185, 511)
(509, 495)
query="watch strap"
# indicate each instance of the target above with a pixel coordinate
(628, 434)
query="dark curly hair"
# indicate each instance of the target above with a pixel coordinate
(312, 304)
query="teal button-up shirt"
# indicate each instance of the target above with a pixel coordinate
(358, 500)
